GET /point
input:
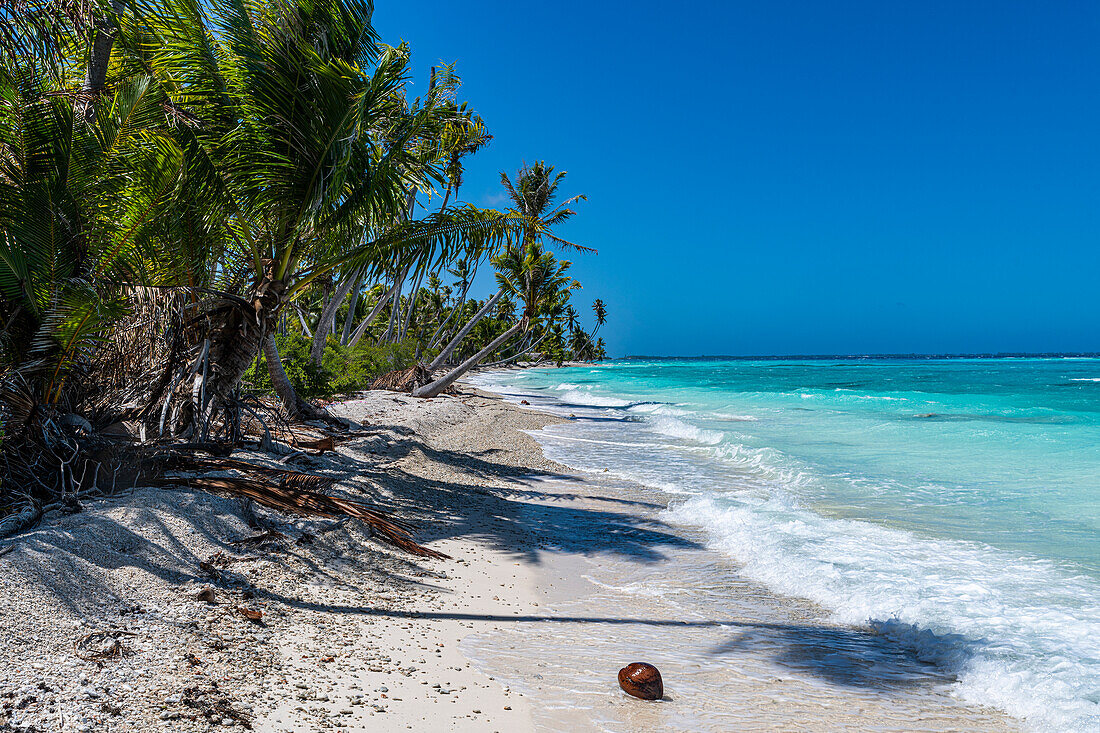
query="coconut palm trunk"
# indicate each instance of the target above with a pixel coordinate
(350, 320)
(412, 308)
(521, 352)
(326, 322)
(238, 334)
(433, 389)
(449, 349)
(99, 58)
(245, 331)
(439, 332)
(279, 380)
(362, 329)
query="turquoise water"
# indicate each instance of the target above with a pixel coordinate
(955, 503)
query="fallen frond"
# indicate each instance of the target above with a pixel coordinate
(403, 380)
(286, 478)
(292, 500)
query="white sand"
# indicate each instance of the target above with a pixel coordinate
(358, 637)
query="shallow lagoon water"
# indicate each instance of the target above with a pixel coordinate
(953, 506)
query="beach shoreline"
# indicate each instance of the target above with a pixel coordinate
(356, 636)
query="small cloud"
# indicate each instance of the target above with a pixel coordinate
(494, 200)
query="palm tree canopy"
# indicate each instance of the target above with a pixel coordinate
(297, 119)
(536, 278)
(600, 310)
(533, 194)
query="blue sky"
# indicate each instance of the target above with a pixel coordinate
(800, 177)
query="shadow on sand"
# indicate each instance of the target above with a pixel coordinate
(516, 518)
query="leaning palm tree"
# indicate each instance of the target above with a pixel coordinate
(533, 194)
(600, 310)
(536, 279)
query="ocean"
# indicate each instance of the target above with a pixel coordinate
(951, 505)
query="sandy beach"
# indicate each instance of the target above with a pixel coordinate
(111, 623)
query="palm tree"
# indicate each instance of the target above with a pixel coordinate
(571, 321)
(305, 140)
(580, 343)
(532, 194)
(461, 270)
(532, 276)
(81, 208)
(600, 310)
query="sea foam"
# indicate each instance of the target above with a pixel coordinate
(1016, 631)
(1019, 630)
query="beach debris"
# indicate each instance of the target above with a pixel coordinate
(102, 645)
(220, 560)
(209, 570)
(524, 402)
(251, 614)
(321, 445)
(18, 521)
(206, 594)
(268, 536)
(215, 706)
(290, 497)
(642, 681)
(213, 565)
(403, 380)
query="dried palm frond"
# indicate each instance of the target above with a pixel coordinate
(403, 380)
(304, 502)
(286, 478)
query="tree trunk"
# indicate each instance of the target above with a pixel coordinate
(412, 307)
(435, 388)
(350, 320)
(237, 340)
(279, 380)
(457, 308)
(521, 352)
(99, 59)
(395, 307)
(295, 406)
(439, 331)
(450, 347)
(370, 317)
(326, 322)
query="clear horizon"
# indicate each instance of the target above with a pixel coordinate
(796, 177)
(880, 355)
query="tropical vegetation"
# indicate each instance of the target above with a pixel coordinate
(202, 203)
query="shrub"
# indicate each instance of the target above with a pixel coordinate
(356, 370)
(341, 370)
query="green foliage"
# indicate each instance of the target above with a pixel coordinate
(357, 369)
(341, 371)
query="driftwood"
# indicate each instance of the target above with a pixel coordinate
(102, 645)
